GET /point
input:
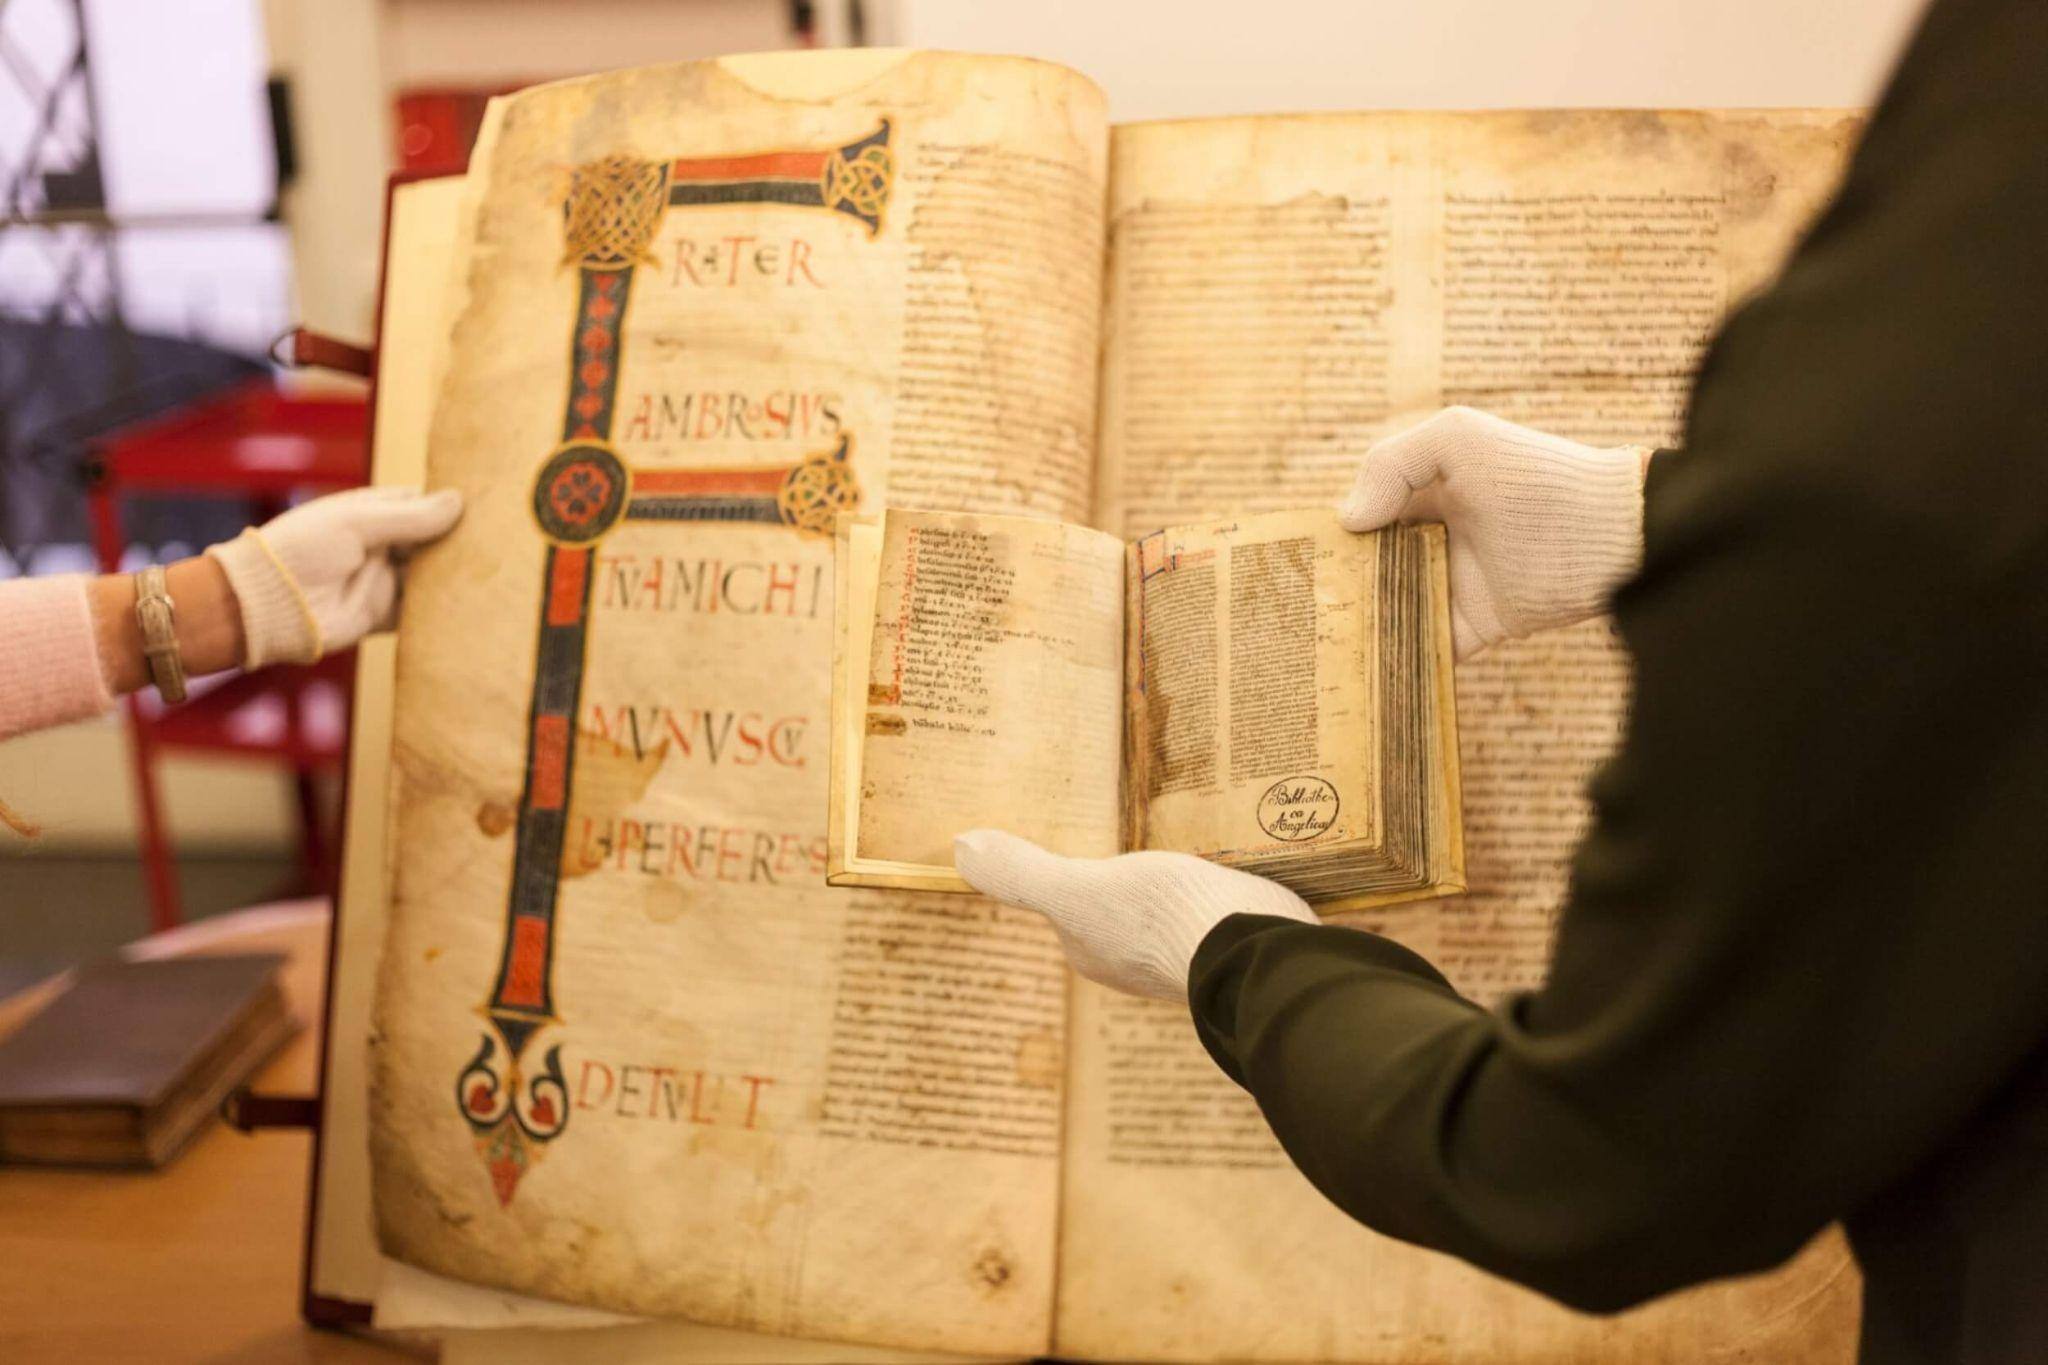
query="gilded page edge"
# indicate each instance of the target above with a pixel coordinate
(1451, 795)
(1437, 540)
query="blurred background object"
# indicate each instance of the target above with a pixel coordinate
(142, 267)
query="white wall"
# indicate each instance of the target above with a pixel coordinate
(483, 41)
(181, 118)
(328, 50)
(1170, 58)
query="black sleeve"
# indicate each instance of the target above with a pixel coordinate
(1805, 937)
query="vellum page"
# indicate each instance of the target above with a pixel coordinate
(1253, 686)
(1320, 282)
(994, 687)
(343, 1260)
(629, 1051)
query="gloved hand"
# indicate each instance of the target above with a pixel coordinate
(1542, 529)
(1131, 922)
(323, 575)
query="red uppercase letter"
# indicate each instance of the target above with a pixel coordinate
(583, 1100)
(641, 427)
(800, 260)
(754, 1084)
(697, 1101)
(777, 584)
(685, 248)
(736, 245)
(663, 1075)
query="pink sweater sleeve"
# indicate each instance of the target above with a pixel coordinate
(49, 664)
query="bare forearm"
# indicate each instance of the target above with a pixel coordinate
(317, 578)
(209, 623)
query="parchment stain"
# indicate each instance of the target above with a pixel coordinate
(609, 779)
(1749, 180)
(991, 1271)
(496, 817)
(663, 902)
(882, 724)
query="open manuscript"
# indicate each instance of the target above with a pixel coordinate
(1269, 691)
(629, 1050)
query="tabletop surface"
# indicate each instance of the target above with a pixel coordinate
(196, 1262)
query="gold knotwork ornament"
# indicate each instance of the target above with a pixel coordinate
(860, 182)
(818, 490)
(614, 206)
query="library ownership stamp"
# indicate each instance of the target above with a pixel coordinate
(1298, 808)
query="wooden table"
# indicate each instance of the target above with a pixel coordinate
(196, 1262)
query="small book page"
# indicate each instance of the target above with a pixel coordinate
(1253, 686)
(993, 685)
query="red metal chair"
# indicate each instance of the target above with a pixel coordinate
(256, 445)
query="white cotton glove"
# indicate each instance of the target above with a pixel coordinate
(325, 574)
(1542, 530)
(1132, 922)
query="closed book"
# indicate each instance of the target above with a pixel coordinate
(125, 1066)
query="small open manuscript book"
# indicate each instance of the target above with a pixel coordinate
(1269, 691)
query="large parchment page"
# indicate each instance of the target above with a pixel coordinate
(1282, 292)
(629, 1051)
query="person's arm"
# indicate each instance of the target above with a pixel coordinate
(310, 582)
(1793, 959)
(70, 644)
(49, 667)
(208, 622)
